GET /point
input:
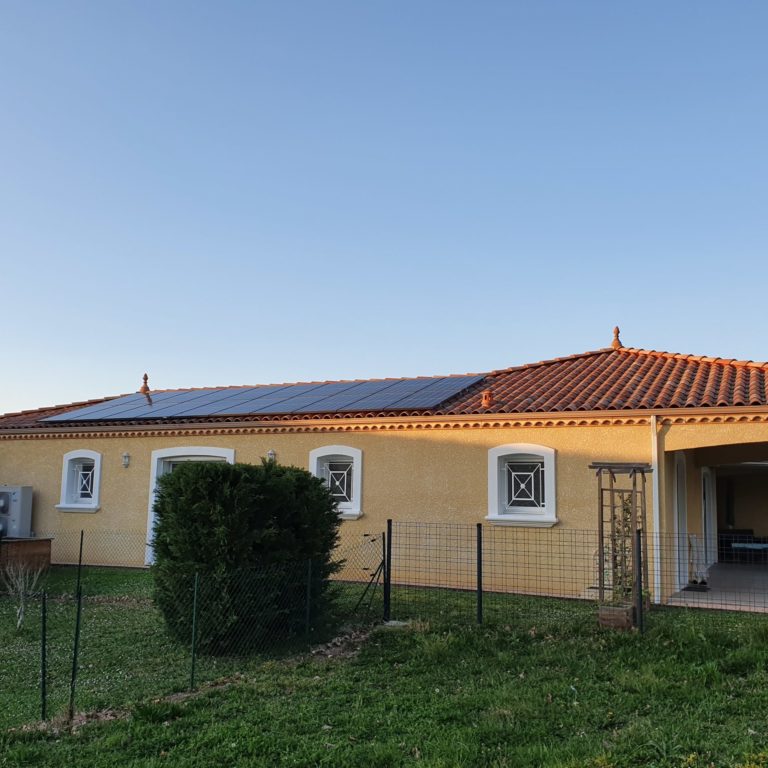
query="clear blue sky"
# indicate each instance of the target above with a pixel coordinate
(239, 193)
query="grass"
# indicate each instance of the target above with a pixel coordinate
(539, 685)
(124, 649)
(122, 582)
(126, 654)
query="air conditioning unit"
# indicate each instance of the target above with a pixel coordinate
(15, 511)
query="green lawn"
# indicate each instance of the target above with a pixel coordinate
(547, 689)
(125, 655)
(122, 582)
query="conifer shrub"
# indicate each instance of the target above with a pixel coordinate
(250, 532)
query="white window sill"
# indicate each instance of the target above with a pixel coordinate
(350, 514)
(77, 508)
(528, 522)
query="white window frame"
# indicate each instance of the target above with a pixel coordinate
(498, 510)
(69, 499)
(163, 456)
(348, 510)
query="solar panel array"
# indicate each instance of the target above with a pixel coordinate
(335, 397)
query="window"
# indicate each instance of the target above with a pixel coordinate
(80, 481)
(165, 460)
(169, 465)
(341, 468)
(521, 485)
(338, 475)
(525, 483)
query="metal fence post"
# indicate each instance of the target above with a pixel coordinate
(308, 614)
(479, 573)
(388, 572)
(79, 564)
(44, 657)
(75, 653)
(639, 600)
(194, 633)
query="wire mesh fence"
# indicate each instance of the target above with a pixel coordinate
(487, 573)
(463, 573)
(131, 642)
(724, 572)
(96, 637)
(102, 547)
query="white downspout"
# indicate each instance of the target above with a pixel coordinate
(656, 504)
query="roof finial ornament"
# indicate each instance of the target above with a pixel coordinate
(144, 389)
(616, 344)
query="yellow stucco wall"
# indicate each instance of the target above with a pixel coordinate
(434, 475)
(678, 437)
(426, 475)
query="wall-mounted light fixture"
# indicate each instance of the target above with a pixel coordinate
(126, 460)
(271, 455)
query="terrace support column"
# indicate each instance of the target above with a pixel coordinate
(656, 509)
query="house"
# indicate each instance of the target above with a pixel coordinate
(509, 448)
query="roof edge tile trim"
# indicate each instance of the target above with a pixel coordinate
(400, 423)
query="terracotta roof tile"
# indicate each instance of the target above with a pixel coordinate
(617, 379)
(620, 378)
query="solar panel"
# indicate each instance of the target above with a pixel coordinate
(223, 400)
(160, 406)
(332, 397)
(386, 397)
(193, 403)
(91, 409)
(110, 408)
(334, 401)
(273, 402)
(216, 401)
(438, 392)
(180, 403)
(307, 403)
